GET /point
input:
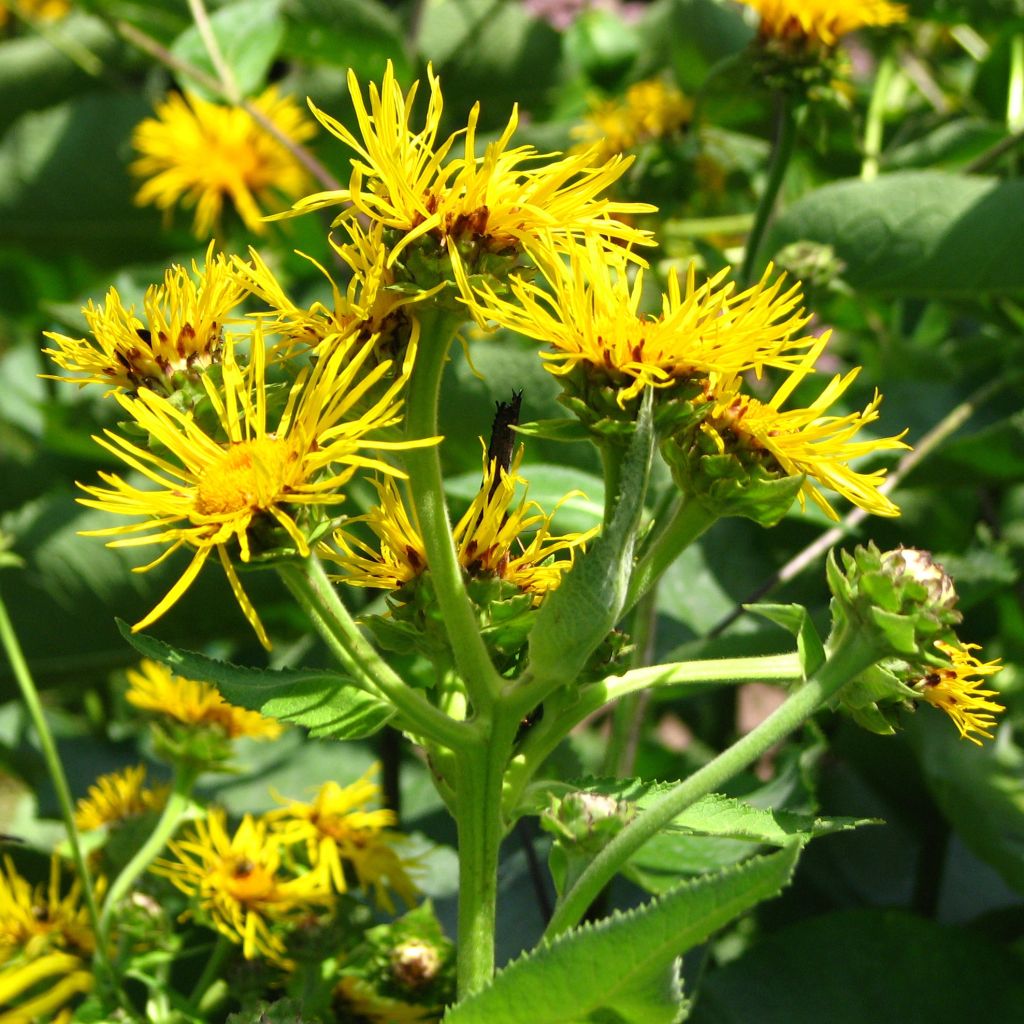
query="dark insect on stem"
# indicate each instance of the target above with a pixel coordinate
(503, 437)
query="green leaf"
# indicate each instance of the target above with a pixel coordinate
(916, 233)
(564, 429)
(621, 969)
(574, 620)
(326, 703)
(882, 966)
(796, 619)
(249, 33)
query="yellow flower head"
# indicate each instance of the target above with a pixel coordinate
(804, 441)
(497, 536)
(591, 318)
(152, 687)
(470, 205)
(180, 331)
(211, 487)
(199, 154)
(34, 10)
(650, 110)
(119, 796)
(340, 831)
(370, 304)
(356, 1000)
(823, 20)
(238, 883)
(956, 689)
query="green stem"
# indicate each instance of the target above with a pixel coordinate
(480, 776)
(688, 521)
(782, 150)
(427, 487)
(174, 810)
(850, 658)
(1015, 89)
(874, 129)
(314, 592)
(222, 947)
(553, 728)
(611, 463)
(30, 695)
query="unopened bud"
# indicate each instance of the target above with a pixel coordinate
(919, 566)
(415, 963)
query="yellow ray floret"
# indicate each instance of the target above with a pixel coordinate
(179, 331)
(956, 689)
(806, 441)
(591, 317)
(823, 20)
(118, 796)
(208, 488)
(505, 200)
(497, 536)
(238, 884)
(202, 154)
(153, 687)
(340, 831)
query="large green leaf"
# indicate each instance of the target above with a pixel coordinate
(867, 965)
(621, 969)
(918, 233)
(326, 703)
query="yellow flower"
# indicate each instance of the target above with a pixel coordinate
(211, 489)
(152, 687)
(357, 1001)
(340, 831)
(180, 331)
(804, 441)
(823, 20)
(470, 205)
(650, 110)
(200, 153)
(117, 796)
(46, 944)
(591, 317)
(956, 690)
(496, 536)
(238, 884)
(370, 303)
(34, 10)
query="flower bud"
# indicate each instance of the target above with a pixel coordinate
(587, 821)
(415, 963)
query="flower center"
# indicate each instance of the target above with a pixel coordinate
(248, 882)
(249, 475)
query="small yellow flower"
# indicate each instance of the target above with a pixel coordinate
(469, 205)
(238, 884)
(804, 441)
(34, 10)
(152, 687)
(200, 154)
(496, 536)
(118, 796)
(356, 1000)
(46, 944)
(211, 488)
(650, 110)
(823, 20)
(956, 689)
(340, 831)
(180, 331)
(591, 318)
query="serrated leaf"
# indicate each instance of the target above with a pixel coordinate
(797, 620)
(620, 969)
(574, 620)
(249, 34)
(916, 233)
(326, 703)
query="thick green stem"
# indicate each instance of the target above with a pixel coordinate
(688, 521)
(315, 594)
(427, 487)
(30, 695)
(782, 150)
(174, 810)
(849, 659)
(480, 774)
(201, 993)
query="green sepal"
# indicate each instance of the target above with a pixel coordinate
(575, 619)
(328, 704)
